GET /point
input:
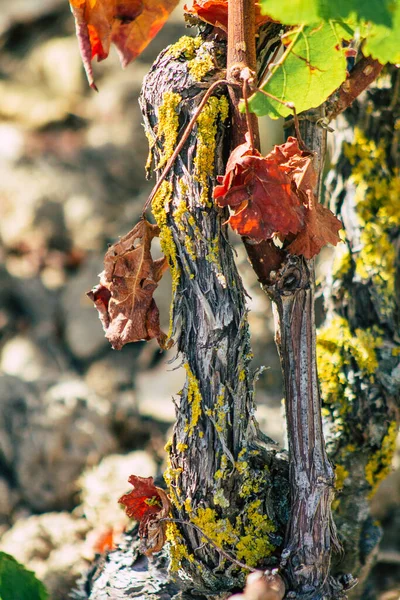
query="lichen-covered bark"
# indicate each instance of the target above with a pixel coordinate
(220, 477)
(358, 347)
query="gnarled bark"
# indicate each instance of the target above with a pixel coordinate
(220, 477)
(359, 344)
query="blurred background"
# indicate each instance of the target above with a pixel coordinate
(77, 418)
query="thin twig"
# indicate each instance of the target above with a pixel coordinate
(210, 541)
(182, 141)
(291, 107)
(245, 87)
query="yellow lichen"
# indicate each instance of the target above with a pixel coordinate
(171, 477)
(178, 548)
(255, 545)
(181, 447)
(160, 202)
(378, 210)
(168, 125)
(194, 399)
(220, 530)
(201, 65)
(220, 498)
(207, 123)
(340, 475)
(380, 463)
(337, 346)
(185, 47)
(183, 219)
(342, 263)
(188, 505)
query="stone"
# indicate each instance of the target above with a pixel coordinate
(51, 545)
(84, 334)
(48, 436)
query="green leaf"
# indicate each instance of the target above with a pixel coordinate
(312, 67)
(16, 583)
(383, 43)
(308, 12)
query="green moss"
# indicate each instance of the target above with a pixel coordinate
(168, 125)
(380, 463)
(207, 123)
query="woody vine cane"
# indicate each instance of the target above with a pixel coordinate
(291, 289)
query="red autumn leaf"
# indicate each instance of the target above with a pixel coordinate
(124, 297)
(298, 164)
(147, 504)
(274, 195)
(260, 195)
(321, 228)
(215, 12)
(129, 24)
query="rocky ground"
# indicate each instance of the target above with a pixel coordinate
(76, 418)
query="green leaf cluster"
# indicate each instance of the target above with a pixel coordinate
(311, 68)
(313, 64)
(17, 583)
(310, 12)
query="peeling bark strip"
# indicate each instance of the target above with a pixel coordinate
(311, 474)
(220, 477)
(311, 535)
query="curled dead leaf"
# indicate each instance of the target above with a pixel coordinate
(147, 504)
(321, 228)
(129, 24)
(215, 12)
(274, 196)
(124, 298)
(260, 196)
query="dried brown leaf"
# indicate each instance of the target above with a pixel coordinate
(124, 297)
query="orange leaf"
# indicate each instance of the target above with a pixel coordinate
(147, 504)
(260, 195)
(124, 297)
(129, 24)
(215, 12)
(321, 228)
